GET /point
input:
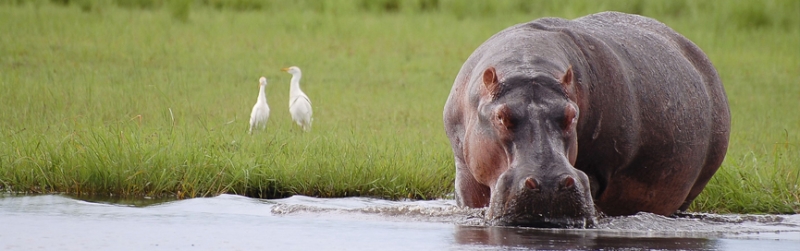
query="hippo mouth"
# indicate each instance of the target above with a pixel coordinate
(542, 222)
(578, 216)
(519, 200)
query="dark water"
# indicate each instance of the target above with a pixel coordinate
(227, 222)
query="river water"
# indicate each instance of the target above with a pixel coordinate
(229, 222)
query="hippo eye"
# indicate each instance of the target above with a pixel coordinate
(570, 118)
(503, 117)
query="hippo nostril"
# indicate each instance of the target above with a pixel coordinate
(568, 182)
(531, 183)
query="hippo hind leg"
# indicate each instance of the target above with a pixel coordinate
(714, 159)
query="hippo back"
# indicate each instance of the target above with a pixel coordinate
(657, 121)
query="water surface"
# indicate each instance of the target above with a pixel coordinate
(228, 222)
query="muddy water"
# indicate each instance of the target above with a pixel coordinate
(227, 222)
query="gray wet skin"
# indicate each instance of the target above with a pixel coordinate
(555, 121)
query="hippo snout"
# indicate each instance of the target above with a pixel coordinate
(525, 198)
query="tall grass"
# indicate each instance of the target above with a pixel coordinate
(132, 98)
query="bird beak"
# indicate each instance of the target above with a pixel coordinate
(284, 69)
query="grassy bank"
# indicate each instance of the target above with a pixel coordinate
(136, 98)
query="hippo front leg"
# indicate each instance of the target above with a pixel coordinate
(469, 192)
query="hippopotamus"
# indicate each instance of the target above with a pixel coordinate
(556, 122)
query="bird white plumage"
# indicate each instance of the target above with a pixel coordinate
(299, 103)
(260, 113)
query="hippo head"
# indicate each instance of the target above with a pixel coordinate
(533, 118)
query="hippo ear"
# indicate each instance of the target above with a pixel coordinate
(568, 85)
(490, 81)
(566, 80)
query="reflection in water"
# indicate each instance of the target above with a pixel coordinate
(555, 239)
(229, 222)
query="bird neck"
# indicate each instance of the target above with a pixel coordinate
(262, 97)
(295, 85)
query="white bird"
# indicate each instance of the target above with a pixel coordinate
(299, 103)
(260, 113)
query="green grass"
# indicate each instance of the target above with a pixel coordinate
(152, 98)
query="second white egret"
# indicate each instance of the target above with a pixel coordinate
(260, 113)
(299, 103)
